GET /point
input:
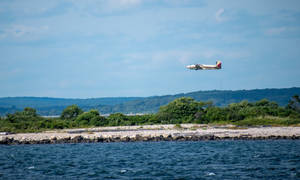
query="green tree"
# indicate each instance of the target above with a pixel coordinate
(117, 119)
(214, 114)
(294, 103)
(71, 112)
(29, 112)
(181, 110)
(91, 118)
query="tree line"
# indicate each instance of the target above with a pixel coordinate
(55, 106)
(180, 110)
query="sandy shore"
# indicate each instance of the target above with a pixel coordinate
(152, 133)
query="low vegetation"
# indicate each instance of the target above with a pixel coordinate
(181, 110)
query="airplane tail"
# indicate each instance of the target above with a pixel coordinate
(219, 64)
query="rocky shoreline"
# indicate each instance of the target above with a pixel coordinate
(185, 132)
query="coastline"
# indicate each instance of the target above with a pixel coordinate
(184, 132)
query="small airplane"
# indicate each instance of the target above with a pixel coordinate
(205, 67)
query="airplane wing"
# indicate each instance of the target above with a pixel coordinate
(199, 66)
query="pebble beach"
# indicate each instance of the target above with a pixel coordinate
(183, 132)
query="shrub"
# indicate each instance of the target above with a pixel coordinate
(71, 112)
(91, 118)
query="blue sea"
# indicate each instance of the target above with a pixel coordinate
(279, 159)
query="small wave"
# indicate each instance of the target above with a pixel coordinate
(123, 171)
(211, 174)
(31, 167)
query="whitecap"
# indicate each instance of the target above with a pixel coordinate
(123, 171)
(211, 174)
(31, 167)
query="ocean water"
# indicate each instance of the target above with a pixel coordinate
(268, 159)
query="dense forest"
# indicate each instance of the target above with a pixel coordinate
(180, 110)
(125, 105)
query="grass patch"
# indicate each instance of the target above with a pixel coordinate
(268, 120)
(178, 126)
(236, 128)
(218, 123)
(194, 128)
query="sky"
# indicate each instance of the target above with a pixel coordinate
(126, 48)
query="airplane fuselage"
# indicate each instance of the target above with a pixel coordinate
(205, 67)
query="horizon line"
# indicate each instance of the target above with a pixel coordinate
(106, 97)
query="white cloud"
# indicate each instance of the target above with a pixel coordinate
(99, 7)
(275, 31)
(18, 31)
(22, 9)
(121, 4)
(219, 14)
(129, 2)
(173, 56)
(161, 58)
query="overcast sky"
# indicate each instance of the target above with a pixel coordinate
(111, 48)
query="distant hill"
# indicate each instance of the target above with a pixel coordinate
(37, 102)
(54, 106)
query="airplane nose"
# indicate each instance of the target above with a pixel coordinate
(190, 66)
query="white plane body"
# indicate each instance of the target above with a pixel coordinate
(205, 67)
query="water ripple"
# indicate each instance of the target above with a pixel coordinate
(153, 160)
